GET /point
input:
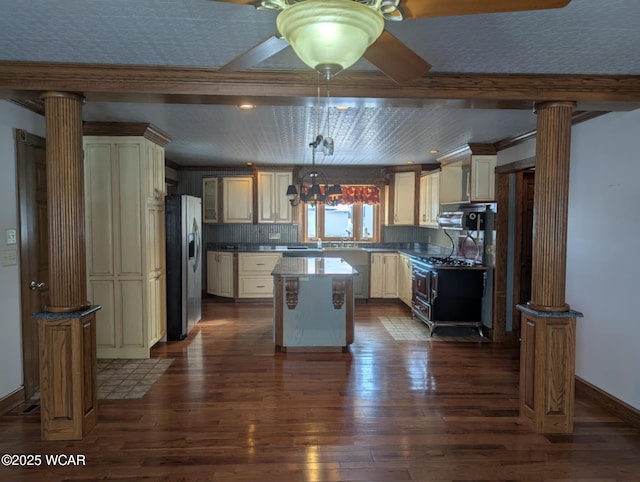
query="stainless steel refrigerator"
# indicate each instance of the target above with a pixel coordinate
(184, 264)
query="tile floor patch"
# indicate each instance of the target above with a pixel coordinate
(121, 378)
(402, 328)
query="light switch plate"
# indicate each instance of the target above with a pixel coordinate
(11, 236)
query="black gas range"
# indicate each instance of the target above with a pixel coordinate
(447, 291)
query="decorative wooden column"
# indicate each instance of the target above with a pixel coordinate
(65, 188)
(67, 327)
(547, 350)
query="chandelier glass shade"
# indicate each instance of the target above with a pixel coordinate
(330, 35)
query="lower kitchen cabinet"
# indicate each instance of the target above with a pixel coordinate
(384, 275)
(404, 279)
(220, 274)
(254, 274)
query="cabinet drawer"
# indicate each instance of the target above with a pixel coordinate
(255, 287)
(257, 264)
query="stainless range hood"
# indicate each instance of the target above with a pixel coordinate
(450, 220)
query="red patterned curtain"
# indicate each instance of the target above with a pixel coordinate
(360, 194)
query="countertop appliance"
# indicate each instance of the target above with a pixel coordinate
(184, 264)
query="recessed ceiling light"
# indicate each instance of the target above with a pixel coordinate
(249, 164)
(342, 107)
(246, 107)
(433, 151)
(409, 162)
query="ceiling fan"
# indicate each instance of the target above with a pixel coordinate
(359, 24)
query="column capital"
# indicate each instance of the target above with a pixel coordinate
(548, 104)
(63, 95)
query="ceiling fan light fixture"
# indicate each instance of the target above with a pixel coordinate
(330, 35)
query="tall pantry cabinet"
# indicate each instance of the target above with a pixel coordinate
(125, 235)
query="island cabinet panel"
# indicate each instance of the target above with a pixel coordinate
(314, 304)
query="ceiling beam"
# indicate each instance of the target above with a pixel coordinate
(134, 83)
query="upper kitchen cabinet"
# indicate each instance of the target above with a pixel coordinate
(404, 198)
(210, 211)
(237, 199)
(468, 175)
(273, 204)
(429, 199)
(125, 235)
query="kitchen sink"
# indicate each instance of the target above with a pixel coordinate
(341, 248)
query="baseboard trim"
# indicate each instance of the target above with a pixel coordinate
(11, 401)
(623, 410)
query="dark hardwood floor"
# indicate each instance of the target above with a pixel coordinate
(230, 409)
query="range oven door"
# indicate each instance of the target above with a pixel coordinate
(422, 309)
(421, 282)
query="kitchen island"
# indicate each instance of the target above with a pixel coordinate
(313, 304)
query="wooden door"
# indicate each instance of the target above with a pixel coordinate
(34, 255)
(524, 240)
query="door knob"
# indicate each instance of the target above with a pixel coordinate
(36, 286)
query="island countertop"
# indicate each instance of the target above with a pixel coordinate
(313, 266)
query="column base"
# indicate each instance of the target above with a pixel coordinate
(547, 370)
(548, 309)
(67, 309)
(68, 374)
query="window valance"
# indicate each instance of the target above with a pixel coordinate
(352, 194)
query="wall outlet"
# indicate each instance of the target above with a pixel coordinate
(274, 235)
(10, 257)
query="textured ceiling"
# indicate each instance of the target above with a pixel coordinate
(586, 37)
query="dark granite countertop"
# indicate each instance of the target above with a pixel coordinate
(297, 266)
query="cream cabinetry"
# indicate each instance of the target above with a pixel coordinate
(468, 175)
(210, 211)
(384, 275)
(237, 195)
(220, 274)
(273, 205)
(429, 199)
(254, 274)
(404, 279)
(125, 236)
(404, 199)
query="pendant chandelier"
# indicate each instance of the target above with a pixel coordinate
(330, 35)
(314, 188)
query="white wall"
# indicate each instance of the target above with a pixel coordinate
(11, 117)
(603, 252)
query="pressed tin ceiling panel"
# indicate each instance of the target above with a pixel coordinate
(586, 37)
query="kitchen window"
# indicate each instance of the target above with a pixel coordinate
(353, 221)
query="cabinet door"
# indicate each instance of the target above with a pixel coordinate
(237, 199)
(404, 279)
(390, 285)
(433, 203)
(210, 200)
(226, 274)
(273, 205)
(154, 173)
(213, 283)
(424, 200)
(376, 272)
(404, 198)
(384, 275)
(483, 178)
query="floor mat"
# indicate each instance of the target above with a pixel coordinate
(121, 378)
(409, 329)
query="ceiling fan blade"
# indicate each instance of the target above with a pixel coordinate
(446, 8)
(395, 59)
(239, 2)
(256, 54)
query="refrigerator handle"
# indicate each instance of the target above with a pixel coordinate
(197, 245)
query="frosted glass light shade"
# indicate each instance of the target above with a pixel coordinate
(329, 35)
